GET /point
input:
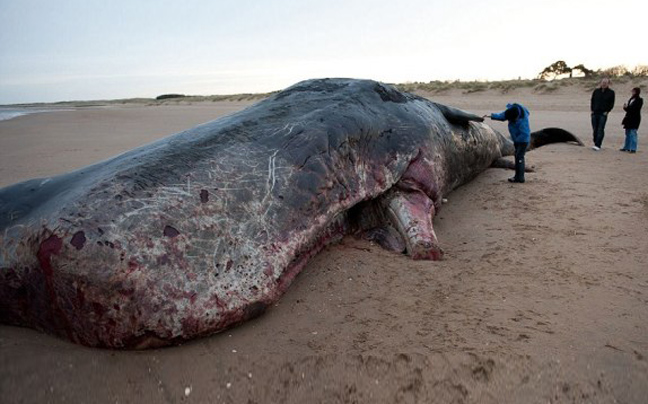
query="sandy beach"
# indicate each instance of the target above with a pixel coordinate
(542, 296)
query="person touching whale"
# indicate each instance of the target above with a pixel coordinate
(518, 124)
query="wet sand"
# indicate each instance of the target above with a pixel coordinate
(542, 296)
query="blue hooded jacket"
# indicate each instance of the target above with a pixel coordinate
(518, 117)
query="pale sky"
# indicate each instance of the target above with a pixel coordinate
(58, 50)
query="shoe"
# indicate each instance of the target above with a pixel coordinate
(624, 150)
(632, 151)
(596, 148)
(512, 179)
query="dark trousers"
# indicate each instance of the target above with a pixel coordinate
(598, 128)
(520, 151)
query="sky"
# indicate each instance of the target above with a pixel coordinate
(62, 50)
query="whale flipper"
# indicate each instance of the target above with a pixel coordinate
(457, 116)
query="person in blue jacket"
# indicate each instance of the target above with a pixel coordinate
(518, 124)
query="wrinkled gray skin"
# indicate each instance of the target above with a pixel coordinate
(204, 229)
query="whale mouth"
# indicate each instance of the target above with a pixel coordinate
(400, 221)
(411, 214)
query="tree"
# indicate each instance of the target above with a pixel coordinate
(587, 72)
(168, 96)
(555, 70)
(616, 71)
(640, 71)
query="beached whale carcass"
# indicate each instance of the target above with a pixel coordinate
(201, 230)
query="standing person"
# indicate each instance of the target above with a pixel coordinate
(518, 124)
(632, 120)
(601, 104)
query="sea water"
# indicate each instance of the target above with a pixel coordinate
(7, 113)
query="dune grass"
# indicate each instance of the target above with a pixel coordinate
(538, 86)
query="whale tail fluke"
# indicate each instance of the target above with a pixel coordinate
(539, 138)
(552, 135)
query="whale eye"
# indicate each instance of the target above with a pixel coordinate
(170, 232)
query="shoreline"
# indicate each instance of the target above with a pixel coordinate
(7, 113)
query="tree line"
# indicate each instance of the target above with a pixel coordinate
(561, 68)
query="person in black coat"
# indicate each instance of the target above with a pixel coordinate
(601, 104)
(632, 120)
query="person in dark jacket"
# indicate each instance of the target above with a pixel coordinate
(632, 120)
(518, 124)
(601, 104)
